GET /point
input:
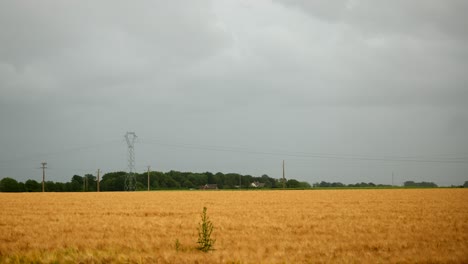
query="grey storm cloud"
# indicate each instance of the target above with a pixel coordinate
(404, 50)
(414, 18)
(72, 45)
(336, 88)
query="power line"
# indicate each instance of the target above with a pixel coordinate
(313, 155)
(59, 152)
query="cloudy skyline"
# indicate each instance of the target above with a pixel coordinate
(345, 91)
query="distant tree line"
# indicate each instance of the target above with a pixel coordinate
(115, 181)
(325, 184)
(173, 180)
(420, 184)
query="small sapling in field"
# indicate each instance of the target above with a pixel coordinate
(205, 228)
(177, 245)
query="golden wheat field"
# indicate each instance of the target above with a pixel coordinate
(332, 226)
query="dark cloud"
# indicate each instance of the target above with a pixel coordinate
(415, 18)
(85, 46)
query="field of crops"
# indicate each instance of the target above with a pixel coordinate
(395, 225)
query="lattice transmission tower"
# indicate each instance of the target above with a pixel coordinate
(130, 178)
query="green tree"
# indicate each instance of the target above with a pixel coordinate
(419, 184)
(50, 186)
(113, 181)
(211, 178)
(269, 182)
(32, 186)
(279, 183)
(91, 182)
(292, 183)
(140, 186)
(466, 184)
(219, 179)
(155, 185)
(172, 184)
(409, 184)
(9, 185)
(188, 184)
(76, 184)
(21, 187)
(155, 177)
(337, 184)
(162, 181)
(173, 177)
(246, 181)
(231, 180)
(198, 179)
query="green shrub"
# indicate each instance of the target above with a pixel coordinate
(177, 245)
(205, 228)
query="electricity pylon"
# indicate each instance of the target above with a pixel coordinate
(130, 178)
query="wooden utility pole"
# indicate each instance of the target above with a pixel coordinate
(85, 179)
(43, 175)
(149, 178)
(98, 171)
(284, 179)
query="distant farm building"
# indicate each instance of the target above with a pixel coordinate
(257, 184)
(209, 187)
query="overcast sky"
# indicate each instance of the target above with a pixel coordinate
(346, 91)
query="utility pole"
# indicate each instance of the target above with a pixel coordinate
(98, 171)
(392, 178)
(85, 180)
(43, 175)
(284, 179)
(149, 167)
